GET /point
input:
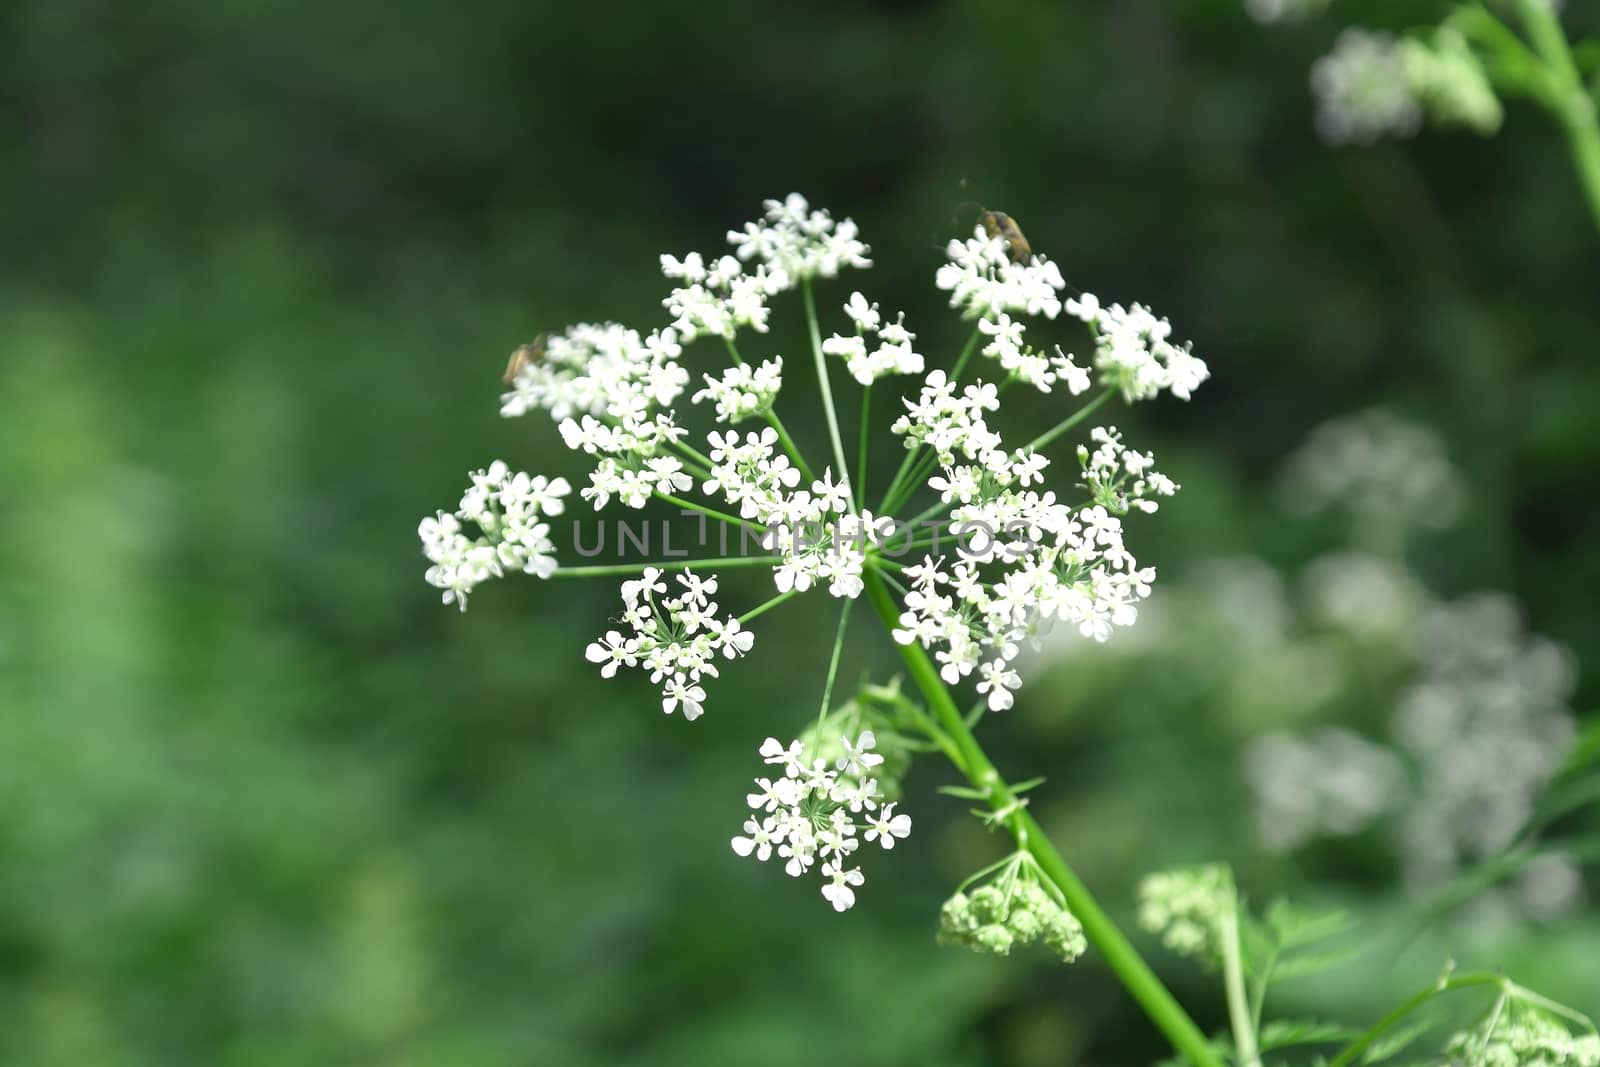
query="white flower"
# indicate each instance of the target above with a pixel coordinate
(858, 756)
(838, 891)
(886, 826)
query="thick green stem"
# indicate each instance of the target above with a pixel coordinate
(1135, 975)
(1573, 105)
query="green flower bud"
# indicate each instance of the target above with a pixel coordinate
(989, 904)
(1024, 923)
(1063, 935)
(995, 938)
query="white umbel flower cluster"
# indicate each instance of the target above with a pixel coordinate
(1038, 369)
(893, 353)
(814, 529)
(742, 391)
(1133, 351)
(720, 297)
(798, 241)
(817, 812)
(508, 509)
(1027, 560)
(983, 281)
(606, 370)
(1118, 477)
(676, 638)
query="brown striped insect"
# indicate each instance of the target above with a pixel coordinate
(524, 357)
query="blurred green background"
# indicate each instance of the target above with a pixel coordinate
(264, 801)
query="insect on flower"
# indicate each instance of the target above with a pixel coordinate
(525, 356)
(999, 224)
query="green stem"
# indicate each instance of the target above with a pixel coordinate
(1573, 105)
(824, 384)
(1135, 975)
(605, 570)
(789, 445)
(1070, 421)
(608, 569)
(1353, 1050)
(1239, 1017)
(693, 453)
(833, 660)
(861, 457)
(720, 516)
(762, 609)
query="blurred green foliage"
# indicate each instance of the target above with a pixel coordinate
(264, 801)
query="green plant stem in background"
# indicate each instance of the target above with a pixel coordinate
(1125, 961)
(1352, 1051)
(789, 445)
(720, 516)
(1240, 1016)
(1574, 107)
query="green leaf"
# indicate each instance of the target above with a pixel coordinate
(964, 792)
(1585, 750)
(1302, 964)
(1293, 926)
(1287, 1033)
(1395, 1041)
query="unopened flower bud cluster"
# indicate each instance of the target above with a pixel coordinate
(1015, 909)
(1188, 908)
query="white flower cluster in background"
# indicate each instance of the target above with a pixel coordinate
(1486, 727)
(1007, 347)
(893, 353)
(742, 391)
(508, 509)
(1120, 478)
(1389, 479)
(1284, 10)
(1362, 90)
(983, 281)
(1133, 352)
(675, 638)
(1373, 85)
(1328, 782)
(817, 812)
